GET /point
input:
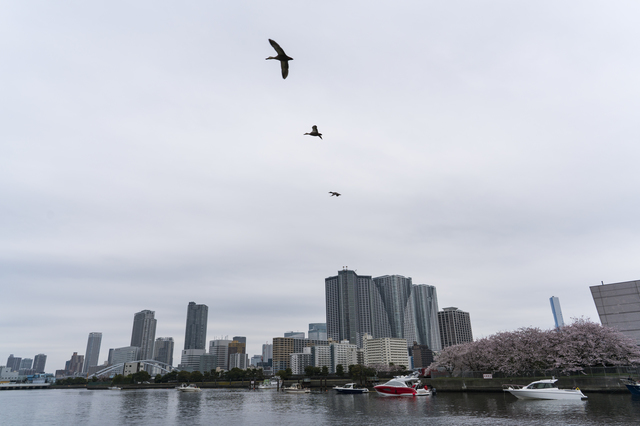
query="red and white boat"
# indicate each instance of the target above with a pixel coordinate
(403, 386)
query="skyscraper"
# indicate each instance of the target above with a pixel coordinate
(455, 327)
(426, 307)
(39, 362)
(93, 351)
(163, 350)
(354, 308)
(557, 312)
(396, 292)
(195, 336)
(318, 331)
(385, 306)
(143, 333)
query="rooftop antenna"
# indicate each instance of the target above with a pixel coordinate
(602, 282)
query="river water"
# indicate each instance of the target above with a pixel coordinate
(268, 407)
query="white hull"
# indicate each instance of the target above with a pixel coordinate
(547, 394)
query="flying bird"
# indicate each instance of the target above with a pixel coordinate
(334, 194)
(314, 132)
(282, 57)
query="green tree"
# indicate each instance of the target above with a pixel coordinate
(184, 376)
(285, 374)
(158, 378)
(339, 370)
(325, 370)
(196, 376)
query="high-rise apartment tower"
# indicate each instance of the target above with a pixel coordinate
(455, 327)
(93, 351)
(195, 336)
(143, 334)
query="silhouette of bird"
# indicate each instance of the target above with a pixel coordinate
(282, 57)
(314, 132)
(334, 194)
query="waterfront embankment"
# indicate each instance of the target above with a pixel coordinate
(604, 384)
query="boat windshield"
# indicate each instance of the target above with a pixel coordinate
(541, 386)
(396, 383)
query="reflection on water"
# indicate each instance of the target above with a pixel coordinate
(219, 406)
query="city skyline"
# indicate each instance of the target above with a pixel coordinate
(196, 313)
(139, 170)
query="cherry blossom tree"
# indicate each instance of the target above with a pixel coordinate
(572, 348)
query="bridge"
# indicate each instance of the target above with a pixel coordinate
(165, 368)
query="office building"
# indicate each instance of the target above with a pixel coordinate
(190, 359)
(163, 350)
(426, 308)
(143, 334)
(267, 353)
(238, 360)
(240, 339)
(208, 362)
(74, 365)
(385, 351)
(124, 354)
(318, 331)
(236, 347)
(295, 334)
(26, 364)
(220, 348)
(556, 311)
(283, 347)
(455, 327)
(195, 336)
(255, 359)
(93, 351)
(618, 306)
(39, 362)
(422, 355)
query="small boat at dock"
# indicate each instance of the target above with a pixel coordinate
(296, 388)
(350, 388)
(543, 389)
(632, 385)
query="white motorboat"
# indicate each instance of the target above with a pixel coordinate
(543, 389)
(188, 388)
(296, 388)
(350, 388)
(270, 383)
(403, 386)
(114, 388)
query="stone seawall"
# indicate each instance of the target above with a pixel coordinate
(606, 384)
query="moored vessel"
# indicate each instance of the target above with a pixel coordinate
(632, 385)
(543, 389)
(403, 386)
(350, 388)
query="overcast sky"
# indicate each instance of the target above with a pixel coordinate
(150, 156)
